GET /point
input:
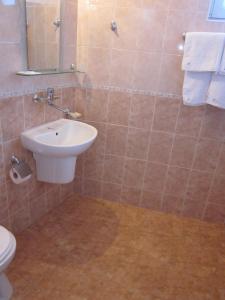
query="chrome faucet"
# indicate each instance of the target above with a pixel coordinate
(50, 97)
(50, 101)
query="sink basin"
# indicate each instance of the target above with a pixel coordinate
(55, 148)
(59, 138)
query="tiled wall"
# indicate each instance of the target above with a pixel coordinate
(145, 53)
(152, 151)
(21, 205)
(13, 49)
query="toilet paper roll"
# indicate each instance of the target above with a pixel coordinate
(16, 178)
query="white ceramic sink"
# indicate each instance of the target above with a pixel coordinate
(55, 147)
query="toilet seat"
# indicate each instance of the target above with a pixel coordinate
(7, 253)
(7, 244)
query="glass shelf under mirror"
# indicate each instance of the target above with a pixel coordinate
(44, 72)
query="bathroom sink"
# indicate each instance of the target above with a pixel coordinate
(55, 147)
(59, 138)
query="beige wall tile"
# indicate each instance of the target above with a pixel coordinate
(92, 188)
(182, 4)
(155, 4)
(142, 110)
(166, 113)
(113, 168)
(134, 173)
(213, 123)
(199, 185)
(93, 168)
(119, 108)
(116, 140)
(98, 66)
(111, 191)
(178, 22)
(183, 151)
(12, 116)
(127, 19)
(146, 64)
(154, 179)
(160, 147)
(121, 60)
(171, 76)
(195, 114)
(207, 154)
(34, 113)
(217, 193)
(96, 105)
(137, 143)
(176, 181)
(148, 39)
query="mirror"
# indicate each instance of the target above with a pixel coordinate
(217, 10)
(43, 34)
(50, 36)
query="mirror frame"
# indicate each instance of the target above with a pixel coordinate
(29, 72)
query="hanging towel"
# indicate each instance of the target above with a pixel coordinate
(221, 70)
(216, 92)
(203, 51)
(195, 87)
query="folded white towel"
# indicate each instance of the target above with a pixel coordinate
(216, 92)
(203, 51)
(222, 64)
(195, 87)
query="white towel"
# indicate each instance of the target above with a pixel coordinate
(195, 87)
(222, 64)
(216, 92)
(203, 51)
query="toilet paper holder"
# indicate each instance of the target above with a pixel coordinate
(14, 160)
(20, 170)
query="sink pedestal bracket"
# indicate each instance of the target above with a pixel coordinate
(55, 169)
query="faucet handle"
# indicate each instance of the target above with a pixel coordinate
(50, 95)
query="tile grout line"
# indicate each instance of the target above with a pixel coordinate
(163, 48)
(83, 177)
(170, 157)
(104, 151)
(129, 118)
(126, 145)
(212, 181)
(148, 150)
(27, 195)
(198, 137)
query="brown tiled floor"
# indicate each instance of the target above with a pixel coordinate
(98, 250)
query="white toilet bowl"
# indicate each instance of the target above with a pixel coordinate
(7, 252)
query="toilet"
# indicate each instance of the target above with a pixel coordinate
(7, 252)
